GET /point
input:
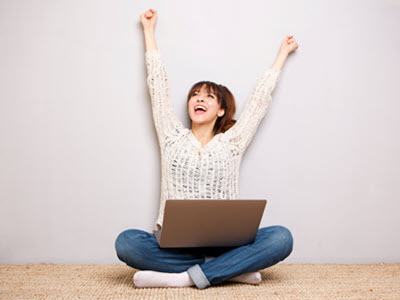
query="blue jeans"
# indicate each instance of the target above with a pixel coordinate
(140, 250)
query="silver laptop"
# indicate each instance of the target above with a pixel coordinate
(210, 223)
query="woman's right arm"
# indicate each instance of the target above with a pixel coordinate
(164, 118)
(150, 40)
(149, 21)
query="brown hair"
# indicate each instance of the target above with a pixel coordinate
(225, 100)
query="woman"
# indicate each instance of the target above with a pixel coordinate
(203, 163)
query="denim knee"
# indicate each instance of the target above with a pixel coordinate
(119, 245)
(122, 243)
(285, 237)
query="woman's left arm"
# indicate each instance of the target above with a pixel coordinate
(288, 46)
(242, 132)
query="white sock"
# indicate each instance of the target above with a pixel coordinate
(161, 279)
(150, 278)
(251, 277)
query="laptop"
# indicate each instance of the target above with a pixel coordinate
(210, 223)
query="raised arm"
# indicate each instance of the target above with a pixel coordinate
(164, 118)
(256, 107)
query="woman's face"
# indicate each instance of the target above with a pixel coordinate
(209, 102)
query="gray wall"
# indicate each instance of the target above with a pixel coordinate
(79, 156)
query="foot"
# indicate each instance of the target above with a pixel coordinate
(251, 277)
(162, 279)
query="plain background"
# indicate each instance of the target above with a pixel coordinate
(79, 156)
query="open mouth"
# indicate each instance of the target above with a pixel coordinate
(200, 109)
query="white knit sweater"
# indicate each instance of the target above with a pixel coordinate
(189, 170)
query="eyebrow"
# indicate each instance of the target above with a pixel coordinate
(208, 92)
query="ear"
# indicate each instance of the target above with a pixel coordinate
(221, 112)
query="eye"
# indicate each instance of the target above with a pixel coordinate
(211, 95)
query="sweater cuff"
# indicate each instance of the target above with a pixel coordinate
(274, 71)
(152, 52)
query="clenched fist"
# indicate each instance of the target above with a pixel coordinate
(289, 45)
(149, 19)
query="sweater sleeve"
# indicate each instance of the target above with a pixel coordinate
(242, 132)
(165, 121)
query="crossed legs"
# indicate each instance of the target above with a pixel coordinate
(139, 249)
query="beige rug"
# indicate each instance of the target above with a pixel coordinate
(281, 281)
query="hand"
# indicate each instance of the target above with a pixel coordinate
(149, 19)
(288, 45)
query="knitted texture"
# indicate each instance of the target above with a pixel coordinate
(188, 169)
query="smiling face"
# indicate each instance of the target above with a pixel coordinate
(203, 106)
